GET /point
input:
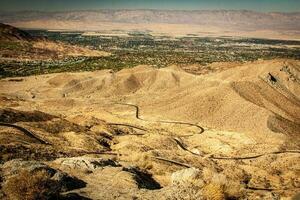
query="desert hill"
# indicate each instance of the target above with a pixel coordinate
(161, 130)
(250, 87)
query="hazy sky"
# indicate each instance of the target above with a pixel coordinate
(58, 5)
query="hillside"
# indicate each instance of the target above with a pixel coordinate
(10, 33)
(149, 133)
(16, 44)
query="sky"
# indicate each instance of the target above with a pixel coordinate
(64, 5)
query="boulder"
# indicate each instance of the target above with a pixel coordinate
(14, 166)
(85, 163)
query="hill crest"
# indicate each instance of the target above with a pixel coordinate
(10, 33)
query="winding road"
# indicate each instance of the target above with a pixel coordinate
(137, 115)
(214, 157)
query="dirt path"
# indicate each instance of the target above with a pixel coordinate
(137, 115)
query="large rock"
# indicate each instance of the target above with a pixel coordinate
(85, 163)
(13, 167)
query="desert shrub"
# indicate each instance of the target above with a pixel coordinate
(218, 186)
(31, 186)
(213, 191)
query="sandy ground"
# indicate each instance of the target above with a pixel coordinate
(239, 127)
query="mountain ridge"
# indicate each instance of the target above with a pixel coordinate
(239, 19)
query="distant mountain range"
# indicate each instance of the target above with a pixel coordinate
(216, 20)
(242, 19)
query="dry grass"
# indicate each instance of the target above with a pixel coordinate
(31, 186)
(218, 186)
(213, 191)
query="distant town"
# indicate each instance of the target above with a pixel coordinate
(140, 48)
